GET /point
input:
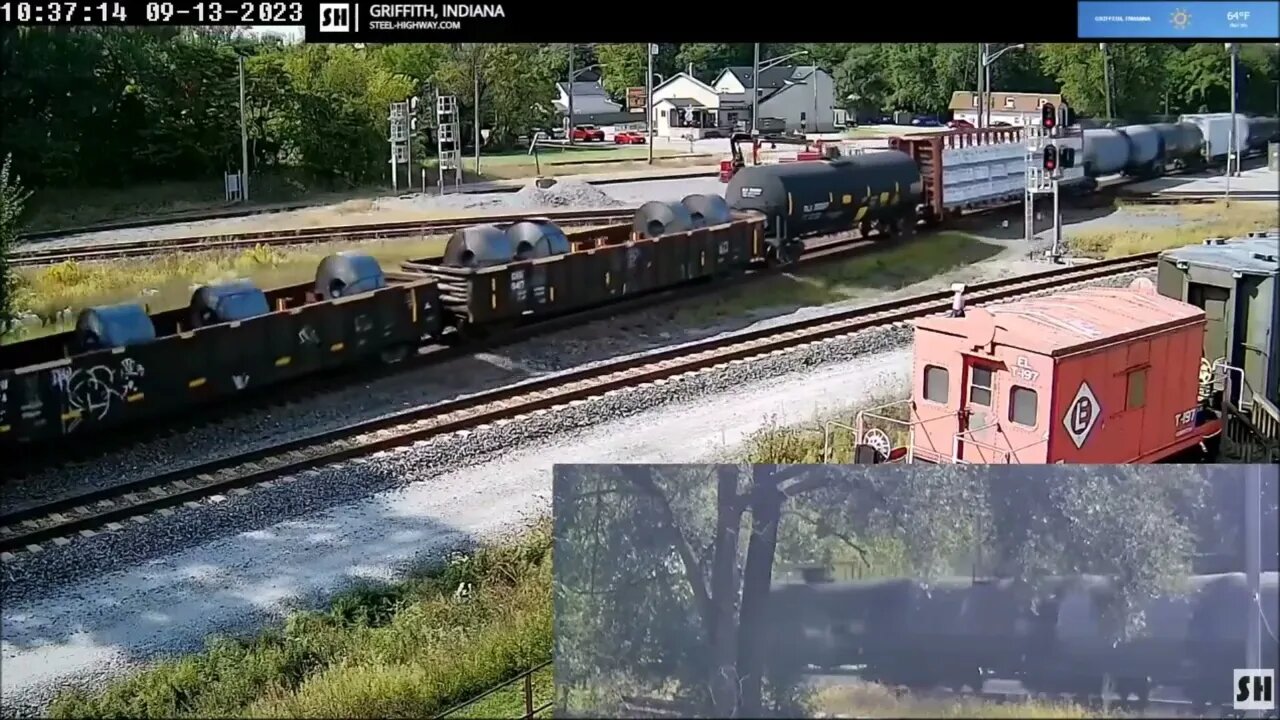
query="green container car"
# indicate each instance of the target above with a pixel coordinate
(1235, 282)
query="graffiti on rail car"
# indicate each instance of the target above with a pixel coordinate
(93, 392)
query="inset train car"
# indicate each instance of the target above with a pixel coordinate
(1215, 129)
(481, 286)
(121, 366)
(1098, 375)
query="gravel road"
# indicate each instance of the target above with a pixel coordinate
(566, 194)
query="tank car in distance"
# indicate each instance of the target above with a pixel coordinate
(871, 192)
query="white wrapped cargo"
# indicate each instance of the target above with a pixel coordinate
(1216, 129)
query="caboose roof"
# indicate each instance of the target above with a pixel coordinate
(1068, 322)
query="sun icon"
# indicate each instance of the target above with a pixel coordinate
(1180, 19)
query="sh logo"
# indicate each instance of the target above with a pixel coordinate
(335, 17)
(1255, 689)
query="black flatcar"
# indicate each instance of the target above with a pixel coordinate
(121, 365)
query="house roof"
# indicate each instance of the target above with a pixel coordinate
(1022, 102)
(682, 102)
(770, 78)
(581, 88)
(1060, 324)
(686, 76)
(589, 104)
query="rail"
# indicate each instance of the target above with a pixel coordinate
(526, 681)
(87, 514)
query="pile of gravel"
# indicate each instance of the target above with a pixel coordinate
(561, 194)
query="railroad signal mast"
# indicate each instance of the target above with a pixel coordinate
(1046, 160)
(399, 138)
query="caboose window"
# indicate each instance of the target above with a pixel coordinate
(980, 380)
(1136, 393)
(1023, 406)
(936, 382)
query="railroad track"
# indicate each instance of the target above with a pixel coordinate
(304, 236)
(109, 509)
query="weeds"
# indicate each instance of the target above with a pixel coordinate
(1193, 224)
(412, 649)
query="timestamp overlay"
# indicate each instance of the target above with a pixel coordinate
(1139, 20)
(154, 12)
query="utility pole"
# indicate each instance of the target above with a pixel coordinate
(244, 140)
(475, 77)
(814, 77)
(569, 131)
(755, 91)
(986, 79)
(982, 71)
(651, 49)
(1253, 566)
(1106, 79)
(1233, 159)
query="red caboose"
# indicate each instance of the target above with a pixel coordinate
(1099, 375)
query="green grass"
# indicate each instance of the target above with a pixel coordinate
(806, 442)
(892, 268)
(509, 702)
(404, 650)
(869, 700)
(1193, 224)
(164, 282)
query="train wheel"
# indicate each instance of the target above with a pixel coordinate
(864, 229)
(394, 354)
(785, 254)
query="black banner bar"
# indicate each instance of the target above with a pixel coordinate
(405, 21)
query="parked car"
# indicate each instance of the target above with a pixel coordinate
(588, 133)
(923, 121)
(1000, 124)
(960, 125)
(629, 137)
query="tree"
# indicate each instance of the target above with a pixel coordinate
(656, 589)
(624, 65)
(12, 198)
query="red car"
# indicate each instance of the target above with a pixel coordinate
(629, 137)
(960, 125)
(588, 133)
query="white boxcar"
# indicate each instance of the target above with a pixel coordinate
(1216, 129)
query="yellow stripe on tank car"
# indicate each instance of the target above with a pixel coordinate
(847, 199)
(71, 415)
(861, 212)
(337, 347)
(283, 360)
(196, 383)
(884, 198)
(4, 428)
(136, 397)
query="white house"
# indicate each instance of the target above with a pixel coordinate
(801, 96)
(1004, 107)
(684, 105)
(589, 98)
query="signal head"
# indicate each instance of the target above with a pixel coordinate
(1050, 158)
(1048, 116)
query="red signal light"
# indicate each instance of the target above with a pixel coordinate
(1048, 116)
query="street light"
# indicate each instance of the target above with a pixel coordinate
(756, 69)
(985, 61)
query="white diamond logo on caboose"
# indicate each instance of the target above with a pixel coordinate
(1082, 415)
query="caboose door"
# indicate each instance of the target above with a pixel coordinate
(975, 442)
